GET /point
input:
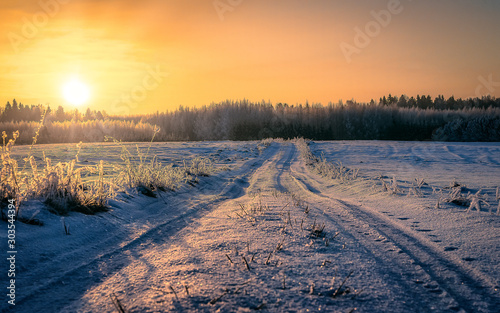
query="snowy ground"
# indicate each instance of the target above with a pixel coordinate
(439, 163)
(267, 234)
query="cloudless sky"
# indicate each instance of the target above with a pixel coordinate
(149, 55)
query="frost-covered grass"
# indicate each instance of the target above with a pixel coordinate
(59, 185)
(67, 186)
(264, 143)
(62, 188)
(145, 171)
(9, 174)
(199, 166)
(323, 167)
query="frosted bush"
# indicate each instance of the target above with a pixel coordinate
(322, 166)
(149, 173)
(475, 201)
(60, 185)
(9, 176)
(200, 167)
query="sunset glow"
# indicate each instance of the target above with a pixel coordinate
(282, 51)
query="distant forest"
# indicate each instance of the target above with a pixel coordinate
(391, 118)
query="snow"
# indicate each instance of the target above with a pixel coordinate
(438, 162)
(301, 234)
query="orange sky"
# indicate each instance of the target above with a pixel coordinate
(149, 55)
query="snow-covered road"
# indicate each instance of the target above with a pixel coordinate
(272, 236)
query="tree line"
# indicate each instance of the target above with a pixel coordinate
(18, 112)
(391, 118)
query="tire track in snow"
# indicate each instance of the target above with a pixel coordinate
(447, 148)
(268, 177)
(262, 179)
(283, 166)
(407, 300)
(457, 287)
(64, 287)
(467, 287)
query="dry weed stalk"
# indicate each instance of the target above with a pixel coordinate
(246, 263)
(497, 196)
(339, 290)
(268, 257)
(117, 303)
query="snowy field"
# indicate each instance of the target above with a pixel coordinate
(439, 163)
(176, 153)
(268, 233)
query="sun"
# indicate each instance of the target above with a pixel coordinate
(76, 92)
